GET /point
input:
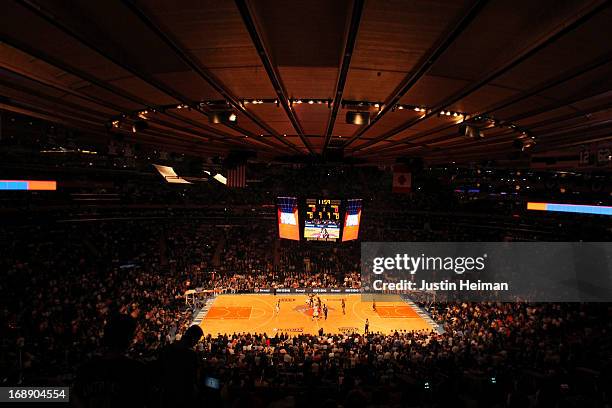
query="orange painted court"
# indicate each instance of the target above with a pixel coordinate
(257, 313)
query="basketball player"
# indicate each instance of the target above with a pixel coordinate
(367, 326)
(374, 305)
(277, 308)
(343, 306)
(315, 313)
(325, 310)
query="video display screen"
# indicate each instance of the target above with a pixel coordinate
(352, 219)
(322, 221)
(288, 220)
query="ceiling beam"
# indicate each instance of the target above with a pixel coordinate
(426, 62)
(565, 77)
(114, 57)
(273, 74)
(545, 141)
(206, 75)
(70, 120)
(104, 119)
(349, 47)
(532, 127)
(577, 20)
(48, 59)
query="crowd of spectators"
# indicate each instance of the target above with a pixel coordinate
(63, 281)
(490, 354)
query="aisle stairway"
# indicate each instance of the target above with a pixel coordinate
(424, 315)
(203, 312)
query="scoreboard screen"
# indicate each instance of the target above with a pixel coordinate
(322, 220)
(352, 219)
(288, 220)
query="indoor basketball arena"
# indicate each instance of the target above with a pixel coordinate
(341, 203)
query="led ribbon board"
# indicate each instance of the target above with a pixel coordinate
(28, 185)
(571, 208)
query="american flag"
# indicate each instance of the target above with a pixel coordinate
(236, 177)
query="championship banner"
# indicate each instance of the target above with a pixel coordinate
(402, 179)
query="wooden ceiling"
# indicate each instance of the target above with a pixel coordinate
(540, 67)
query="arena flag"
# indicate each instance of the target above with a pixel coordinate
(236, 177)
(402, 179)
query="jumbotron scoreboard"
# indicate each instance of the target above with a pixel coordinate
(322, 219)
(322, 222)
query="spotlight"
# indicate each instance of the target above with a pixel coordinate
(469, 131)
(222, 117)
(139, 126)
(358, 118)
(524, 142)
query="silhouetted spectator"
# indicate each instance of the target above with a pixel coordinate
(113, 379)
(179, 370)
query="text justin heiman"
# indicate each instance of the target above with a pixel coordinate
(441, 285)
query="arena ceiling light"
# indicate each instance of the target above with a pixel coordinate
(221, 179)
(524, 141)
(357, 118)
(139, 126)
(222, 117)
(170, 175)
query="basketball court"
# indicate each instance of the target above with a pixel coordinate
(257, 313)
